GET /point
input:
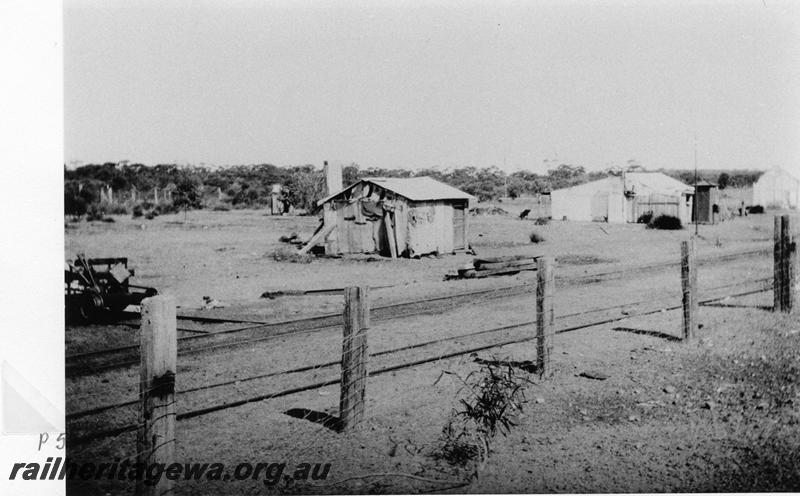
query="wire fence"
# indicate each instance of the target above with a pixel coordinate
(658, 300)
(352, 368)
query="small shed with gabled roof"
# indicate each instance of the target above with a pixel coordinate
(706, 205)
(395, 217)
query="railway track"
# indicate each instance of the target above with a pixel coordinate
(255, 331)
(387, 366)
(127, 356)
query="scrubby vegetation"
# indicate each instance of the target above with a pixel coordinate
(666, 222)
(542, 221)
(251, 186)
(536, 237)
(645, 218)
(493, 398)
(288, 254)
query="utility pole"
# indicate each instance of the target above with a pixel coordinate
(694, 200)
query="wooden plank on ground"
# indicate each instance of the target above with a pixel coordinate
(508, 258)
(316, 239)
(499, 272)
(503, 265)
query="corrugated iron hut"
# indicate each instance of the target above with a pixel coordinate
(395, 217)
(623, 198)
(777, 188)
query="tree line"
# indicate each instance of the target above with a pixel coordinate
(250, 186)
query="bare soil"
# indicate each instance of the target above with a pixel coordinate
(719, 413)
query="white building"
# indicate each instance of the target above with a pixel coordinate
(624, 198)
(777, 188)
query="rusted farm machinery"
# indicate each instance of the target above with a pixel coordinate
(98, 289)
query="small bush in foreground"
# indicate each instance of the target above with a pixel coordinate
(666, 222)
(645, 218)
(536, 237)
(755, 209)
(137, 211)
(287, 254)
(492, 403)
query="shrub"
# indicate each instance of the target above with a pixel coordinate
(117, 209)
(645, 218)
(95, 212)
(186, 195)
(137, 211)
(165, 208)
(108, 219)
(286, 254)
(755, 209)
(542, 221)
(151, 215)
(667, 222)
(221, 207)
(536, 237)
(77, 199)
(493, 401)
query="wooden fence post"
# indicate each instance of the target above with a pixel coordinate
(545, 317)
(689, 287)
(792, 224)
(354, 356)
(786, 294)
(156, 433)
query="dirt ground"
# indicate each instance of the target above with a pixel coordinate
(719, 413)
(228, 256)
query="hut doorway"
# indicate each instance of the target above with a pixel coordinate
(459, 227)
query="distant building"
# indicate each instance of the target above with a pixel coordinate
(624, 198)
(395, 217)
(777, 188)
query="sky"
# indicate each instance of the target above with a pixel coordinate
(441, 84)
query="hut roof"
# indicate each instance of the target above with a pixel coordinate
(655, 182)
(778, 173)
(414, 188)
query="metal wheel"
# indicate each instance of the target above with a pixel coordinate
(91, 307)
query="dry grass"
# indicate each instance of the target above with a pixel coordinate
(288, 254)
(582, 260)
